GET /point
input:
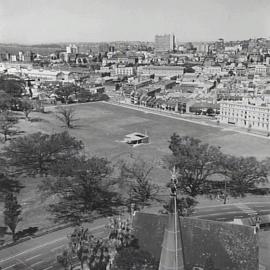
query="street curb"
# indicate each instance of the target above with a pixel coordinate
(16, 243)
(38, 234)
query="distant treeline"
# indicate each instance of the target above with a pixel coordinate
(43, 49)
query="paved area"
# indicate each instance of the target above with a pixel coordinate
(229, 212)
(40, 253)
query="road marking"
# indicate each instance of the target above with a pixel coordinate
(9, 266)
(35, 248)
(54, 249)
(246, 209)
(228, 205)
(217, 214)
(39, 262)
(31, 258)
(23, 263)
(44, 245)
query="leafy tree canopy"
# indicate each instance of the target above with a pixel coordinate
(7, 124)
(95, 253)
(12, 212)
(204, 169)
(136, 174)
(83, 187)
(243, 174)
(8, 185)
(194, 162)
(35, 153)
(12, 85)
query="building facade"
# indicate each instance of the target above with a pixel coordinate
(161, 71)
(246, 115)
(123, 71)
(164, 43)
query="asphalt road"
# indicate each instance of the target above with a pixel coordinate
(229, 212)
(40, 253)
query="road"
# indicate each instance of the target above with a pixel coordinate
(229, 212)
(40, 253)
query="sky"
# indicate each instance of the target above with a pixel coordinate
(50, 21)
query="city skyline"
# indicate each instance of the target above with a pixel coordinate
(27, 22)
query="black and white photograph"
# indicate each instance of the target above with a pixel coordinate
(134, 135)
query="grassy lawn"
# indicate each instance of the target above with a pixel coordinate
(103, 126)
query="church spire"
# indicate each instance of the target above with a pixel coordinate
(172, 252)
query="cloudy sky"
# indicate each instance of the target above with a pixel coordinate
(43, 21)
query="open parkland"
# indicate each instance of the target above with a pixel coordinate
(102, 126)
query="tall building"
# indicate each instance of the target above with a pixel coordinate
(219, 45)
(164, 43)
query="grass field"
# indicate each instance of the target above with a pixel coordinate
(101, 127)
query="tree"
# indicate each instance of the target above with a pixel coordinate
(7, 124)
(5, 101)
(8, 185)
(204, 169)
(12, 212)
(195, 163)
(67, 116)
(35, 153)
(13, 86)
(83, 187)
(185, 206)
(98, 254)
(65, 259)
(243, 174)
(27, 107)
(66, 91)
(137, 175)
(210, 111)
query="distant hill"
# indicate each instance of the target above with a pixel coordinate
(43, 49)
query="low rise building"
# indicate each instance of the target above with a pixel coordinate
(212, 70)
(123, 71)
(161, 71)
